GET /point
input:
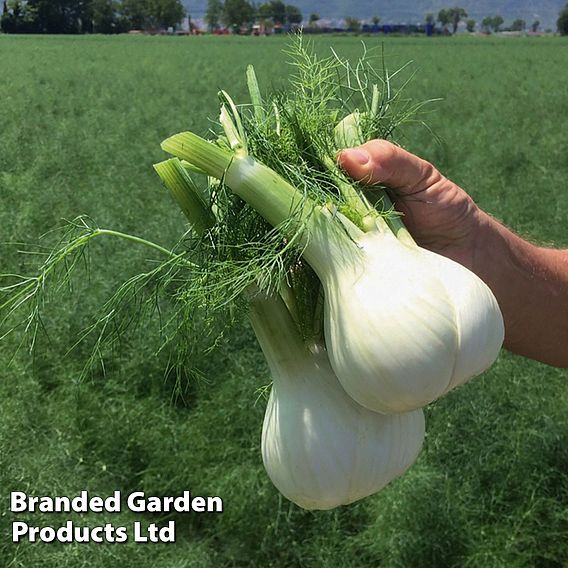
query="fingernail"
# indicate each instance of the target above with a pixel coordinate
(357, 155)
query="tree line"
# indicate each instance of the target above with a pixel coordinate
(451, 17)
(241, 12)
(116, 16)
(87, 16)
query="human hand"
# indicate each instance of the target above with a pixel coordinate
(441, 216)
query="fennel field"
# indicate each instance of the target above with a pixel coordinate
(81, 120)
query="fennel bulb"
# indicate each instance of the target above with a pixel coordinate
(319, 447)
(403, 325)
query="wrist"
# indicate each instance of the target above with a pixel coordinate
(530, 284)
(499, 256)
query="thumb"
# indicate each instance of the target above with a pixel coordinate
(379, 161)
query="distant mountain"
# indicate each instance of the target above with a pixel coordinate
(413, 11)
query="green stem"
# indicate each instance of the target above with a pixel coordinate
(234, 123)
(396, 223)
(233, 136)
(276, 332)
(140, 241)
(262, 188)
(287, 294)
(186, 194)
(353, 199)
(202, 154)
(255, 96)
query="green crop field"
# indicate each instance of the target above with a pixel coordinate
(81, 119)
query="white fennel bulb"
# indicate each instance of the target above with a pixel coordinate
(319, 447)
(402, 324)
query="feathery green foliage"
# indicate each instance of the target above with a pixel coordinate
(230, 249)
